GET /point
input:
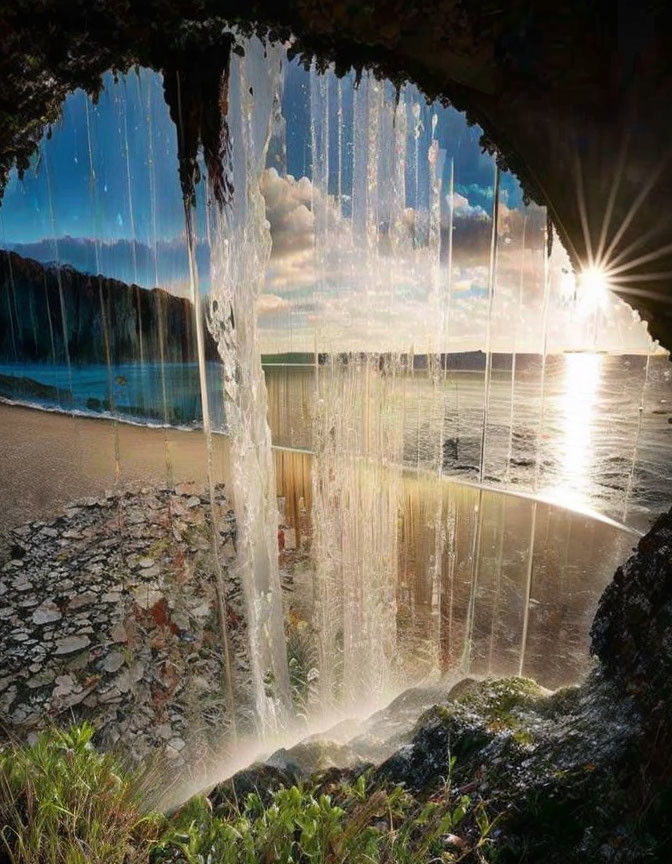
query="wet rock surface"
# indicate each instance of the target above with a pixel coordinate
(109, 613)
(632, 630)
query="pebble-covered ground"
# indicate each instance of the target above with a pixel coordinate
(109, 613)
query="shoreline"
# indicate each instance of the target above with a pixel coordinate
(148, 453)
(49, 459)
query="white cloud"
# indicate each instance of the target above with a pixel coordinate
(348, 297)
(462, 209)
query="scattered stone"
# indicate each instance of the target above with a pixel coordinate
(113, 662)
(47, 613)
(71, 644)
(118, 633)
(65, 684)
(42, 680)
(81, 600)
(123, 682)
(131, 570)
(146, 597)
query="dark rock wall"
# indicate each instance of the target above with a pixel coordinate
(96, 314)
(632, 637)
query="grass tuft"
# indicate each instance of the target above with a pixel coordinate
(61, 802)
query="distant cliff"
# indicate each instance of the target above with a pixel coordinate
(50, 313)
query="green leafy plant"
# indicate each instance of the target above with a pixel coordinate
(353, 824)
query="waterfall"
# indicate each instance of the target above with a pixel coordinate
(240, 249)
(386, 356)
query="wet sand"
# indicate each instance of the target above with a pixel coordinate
(49, 459)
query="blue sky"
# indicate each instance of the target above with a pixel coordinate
(130, 122)
(103, 195)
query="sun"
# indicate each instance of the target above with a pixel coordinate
(593, 289)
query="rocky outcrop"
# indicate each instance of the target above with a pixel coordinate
(582, 774)
(632, 630)
(96, 315)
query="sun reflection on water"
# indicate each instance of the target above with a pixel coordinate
(583, 373)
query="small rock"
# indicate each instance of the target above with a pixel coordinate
(112, 695)
(118, 633)
(46, 613)
(71, 644)
(145, 562)
(176, 744)
(81, 600)
(147, 598)
(201, 611)
(65, 684)
(123, 682)
(113, 662)
(42, 680)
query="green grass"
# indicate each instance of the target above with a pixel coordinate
(61, 802)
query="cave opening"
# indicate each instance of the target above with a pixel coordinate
(326, 415)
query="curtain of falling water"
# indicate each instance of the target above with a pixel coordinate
(240, 249)
(357, 439)
(104, 315)
(409, 570)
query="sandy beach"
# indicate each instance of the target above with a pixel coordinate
(48, 459)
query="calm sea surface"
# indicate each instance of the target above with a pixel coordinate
(586, 431)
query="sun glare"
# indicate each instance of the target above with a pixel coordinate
(593, 289)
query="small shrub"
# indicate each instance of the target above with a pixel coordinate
(352, 825)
